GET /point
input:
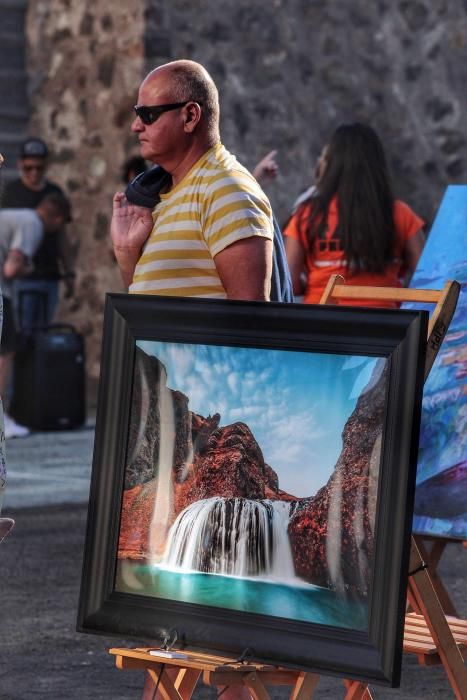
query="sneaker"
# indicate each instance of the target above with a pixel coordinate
(13, 429)
(6, 525)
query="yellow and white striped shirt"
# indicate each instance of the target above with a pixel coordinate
(216, 204)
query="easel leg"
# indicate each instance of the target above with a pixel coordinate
(164, 683)
(235, 692)
(432, 557)
(172, 684)
(424, 595)
(305, 686)
(186, 681)
(255, 687)
(148, 690)
(357, 691)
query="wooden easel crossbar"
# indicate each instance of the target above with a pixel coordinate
(428, 632)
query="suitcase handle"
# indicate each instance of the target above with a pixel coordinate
(60, 327)
(42, 297)
(56, 327)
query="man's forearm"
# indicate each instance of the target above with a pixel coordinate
(127, 260)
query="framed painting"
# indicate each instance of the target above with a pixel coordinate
(441, 495)
(253, 480)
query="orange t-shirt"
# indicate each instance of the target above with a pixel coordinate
(327, 257)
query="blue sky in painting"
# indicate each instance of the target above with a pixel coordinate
(295, 403)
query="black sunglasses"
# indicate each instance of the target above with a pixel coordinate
(148, 115)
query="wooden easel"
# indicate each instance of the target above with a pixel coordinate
(428, 632)
(431, 550)
(176, 679)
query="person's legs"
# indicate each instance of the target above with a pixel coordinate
(7, 348)
(2, 458)
(6, 363)
(26, 303)
(51, 287)
(36, 301)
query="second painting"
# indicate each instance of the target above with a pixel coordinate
(247, 485)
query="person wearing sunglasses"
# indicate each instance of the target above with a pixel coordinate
(208, 232)
(206, 227)
(32, 184)
(52, 261)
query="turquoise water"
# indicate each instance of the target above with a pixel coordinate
(305, 602)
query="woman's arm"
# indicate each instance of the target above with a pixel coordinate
(296, 260)
(412, 251)
(267, 169)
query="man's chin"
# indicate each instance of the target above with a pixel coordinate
(145, 150)
(33, 185)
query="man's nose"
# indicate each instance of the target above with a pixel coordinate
(137, 124)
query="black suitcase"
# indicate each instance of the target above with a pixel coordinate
(49, 378)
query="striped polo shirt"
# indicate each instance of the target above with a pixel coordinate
(216, 204)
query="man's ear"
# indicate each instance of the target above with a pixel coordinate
(192, 116)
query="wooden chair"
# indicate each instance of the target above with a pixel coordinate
(429, 633)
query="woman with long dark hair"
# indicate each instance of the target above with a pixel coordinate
(351, 224)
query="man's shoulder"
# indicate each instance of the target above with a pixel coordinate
(11, 190)
(220, 160)
(17, 196)
(52, 188)
(19, 215)
(223, 170)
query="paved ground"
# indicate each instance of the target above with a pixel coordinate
(41, 655)
(49, 468)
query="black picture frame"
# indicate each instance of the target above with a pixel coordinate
(399, 337)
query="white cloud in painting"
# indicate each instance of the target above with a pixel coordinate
(197, 394)
(294, 403)
(181, 359)
(245, 412)
(233, 381)
(354, 361)
(366, 379)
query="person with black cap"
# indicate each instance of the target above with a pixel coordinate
(52, 260)
(31, 186)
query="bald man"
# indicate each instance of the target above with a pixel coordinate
(211, 233)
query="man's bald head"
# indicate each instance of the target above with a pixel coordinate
(188, 80)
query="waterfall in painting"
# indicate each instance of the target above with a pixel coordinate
(164, 496)
(232, 537)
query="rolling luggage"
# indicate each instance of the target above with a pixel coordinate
(49, 378)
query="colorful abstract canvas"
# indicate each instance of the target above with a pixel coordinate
(441, 494)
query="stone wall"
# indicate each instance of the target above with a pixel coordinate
(85, 62)
(289, 71)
